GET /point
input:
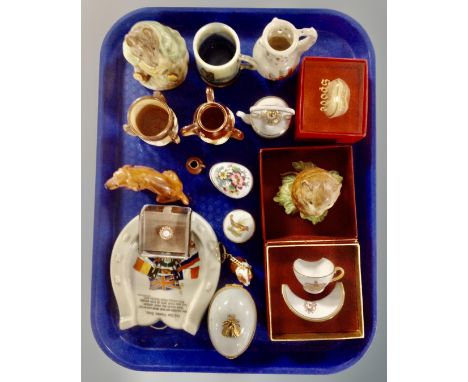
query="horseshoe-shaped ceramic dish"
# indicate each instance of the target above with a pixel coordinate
(137, 302)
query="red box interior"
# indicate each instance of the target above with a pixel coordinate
(311, 123)
(284, 324)
(339, 224)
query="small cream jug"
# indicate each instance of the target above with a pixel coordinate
(278, 51)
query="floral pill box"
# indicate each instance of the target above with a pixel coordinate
(235, 191)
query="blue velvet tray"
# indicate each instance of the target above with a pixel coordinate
(143, 348)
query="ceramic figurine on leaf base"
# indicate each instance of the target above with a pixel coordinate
(158, 54)
(310, 190)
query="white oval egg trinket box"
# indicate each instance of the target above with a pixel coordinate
(231, 179)
(232, 320)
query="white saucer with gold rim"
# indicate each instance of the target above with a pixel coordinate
(318, 310)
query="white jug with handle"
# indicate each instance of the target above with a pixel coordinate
(278, 51)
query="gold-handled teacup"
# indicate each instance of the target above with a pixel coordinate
(316, 275)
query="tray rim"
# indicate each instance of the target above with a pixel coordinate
(296, 369)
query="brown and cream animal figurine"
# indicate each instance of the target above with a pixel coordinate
(166, 185)
(158, 54)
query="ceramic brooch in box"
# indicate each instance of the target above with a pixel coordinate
(332, 100)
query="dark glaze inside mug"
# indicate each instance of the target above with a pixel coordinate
(212, 118)
(152, 120)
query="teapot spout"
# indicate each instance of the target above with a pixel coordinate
(245, 117)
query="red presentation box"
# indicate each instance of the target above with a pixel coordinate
(311, 123)
(288, 237)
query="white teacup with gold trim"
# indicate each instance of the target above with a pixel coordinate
(316, 275)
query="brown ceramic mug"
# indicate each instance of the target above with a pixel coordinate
(213, 122)
(152, 120)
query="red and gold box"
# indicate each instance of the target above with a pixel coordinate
(311, 122)
(288, 237)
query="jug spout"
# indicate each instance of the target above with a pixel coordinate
(245, 117)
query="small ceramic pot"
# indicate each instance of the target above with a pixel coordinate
(270, 117)
(194, 165)
(213, 122)
(152, 120)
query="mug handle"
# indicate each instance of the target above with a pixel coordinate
(129, 129)
(209, 94)
(310, 37)
(247, 62)
(174, 137)
(189, 130)
(340, 274)
(237, 134)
